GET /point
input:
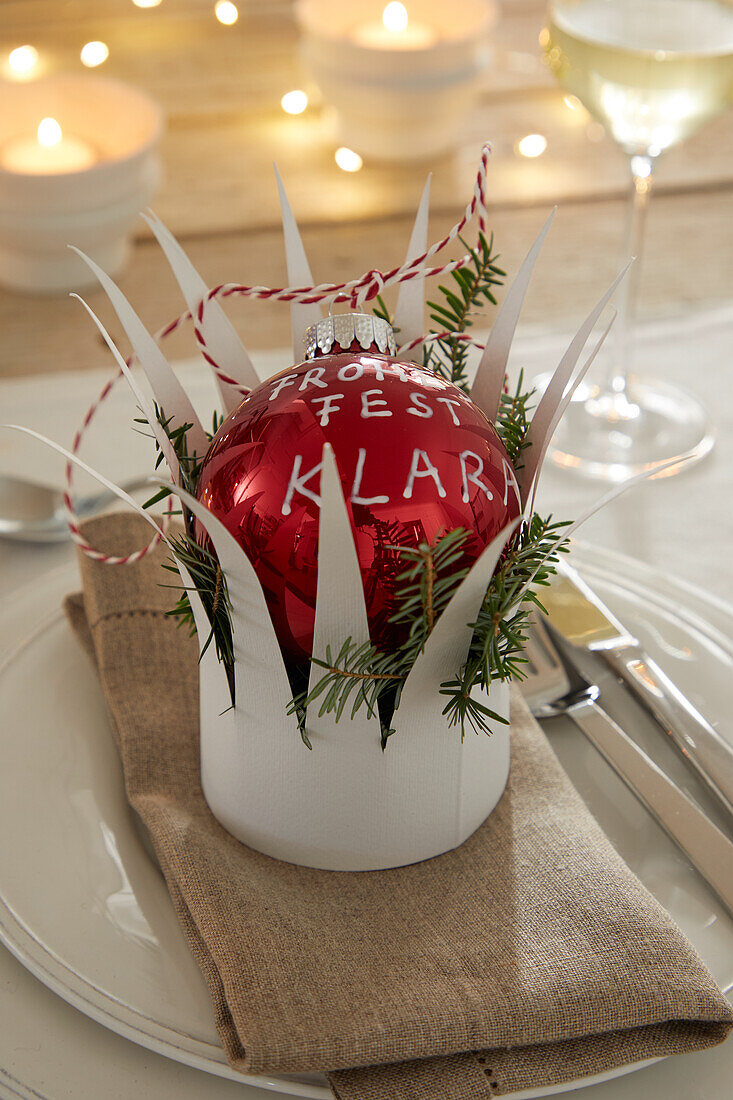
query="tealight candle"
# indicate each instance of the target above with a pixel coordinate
(49, 152)
(78, 161)
(395, 31)
(400, 77)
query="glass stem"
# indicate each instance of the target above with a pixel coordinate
(642, 176)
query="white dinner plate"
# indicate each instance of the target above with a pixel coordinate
(86, 910)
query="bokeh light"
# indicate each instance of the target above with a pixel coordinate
(22, 60)
(348, 160)
(532, 145)
(295, 102)
(226, 12)
(94, 53)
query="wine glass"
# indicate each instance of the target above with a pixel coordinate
(653, 72)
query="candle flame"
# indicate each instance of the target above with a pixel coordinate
(395, 18)
(49, 132)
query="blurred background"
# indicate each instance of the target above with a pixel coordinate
(225, 77)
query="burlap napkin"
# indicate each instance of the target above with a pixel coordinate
(529, 956)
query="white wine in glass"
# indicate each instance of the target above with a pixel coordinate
(653, 72)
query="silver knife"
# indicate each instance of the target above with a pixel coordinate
(581, 617)
(708, 849)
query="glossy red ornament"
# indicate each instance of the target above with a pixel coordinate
(416, 458)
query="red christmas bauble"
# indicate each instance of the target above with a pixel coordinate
(416, 457)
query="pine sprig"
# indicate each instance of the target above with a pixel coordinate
(210, 583)
(364, 674)
(190, 465)
(372, 678)
(381, 310)
(471, 290)
(425, 588)
(500, 631)
(356, 670)
(203, 567)
(513, 420)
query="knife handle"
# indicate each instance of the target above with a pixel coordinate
(707, 848)
(701, 745)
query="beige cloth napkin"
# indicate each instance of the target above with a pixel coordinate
(527, 957)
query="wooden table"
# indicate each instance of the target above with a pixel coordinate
(221, 87)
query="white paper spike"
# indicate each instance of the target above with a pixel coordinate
(552, 396)
(340, 607)
(146, 406)
(220, 336)
(463, 776)
(262, 687)
(168, 391)
(489, 380)
(409, 315)
(214, 694)
(299, 273)
(565, 400)
(446, 648)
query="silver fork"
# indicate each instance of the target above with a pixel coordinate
(555, 687)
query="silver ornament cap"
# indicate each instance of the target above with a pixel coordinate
(342, 329)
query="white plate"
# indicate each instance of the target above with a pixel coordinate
(84, 908)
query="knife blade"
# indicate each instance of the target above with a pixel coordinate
(582, 618)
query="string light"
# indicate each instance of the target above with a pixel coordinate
(226, 12)
(295, 102)
(23, 60)
(348, 160)
(532, 145)
(94, 53)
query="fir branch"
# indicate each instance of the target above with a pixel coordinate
(380, 310)
(201, 563)
(471, 290)
(190, 464)
(358, 670)
(210, 583)
(513, 421)
(500, 631)
(425, 588)
(369, 677)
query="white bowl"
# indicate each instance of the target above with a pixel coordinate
(94, 208)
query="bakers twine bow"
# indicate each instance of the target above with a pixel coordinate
(355, 291)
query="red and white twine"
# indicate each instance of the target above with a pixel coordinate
(355, 291)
